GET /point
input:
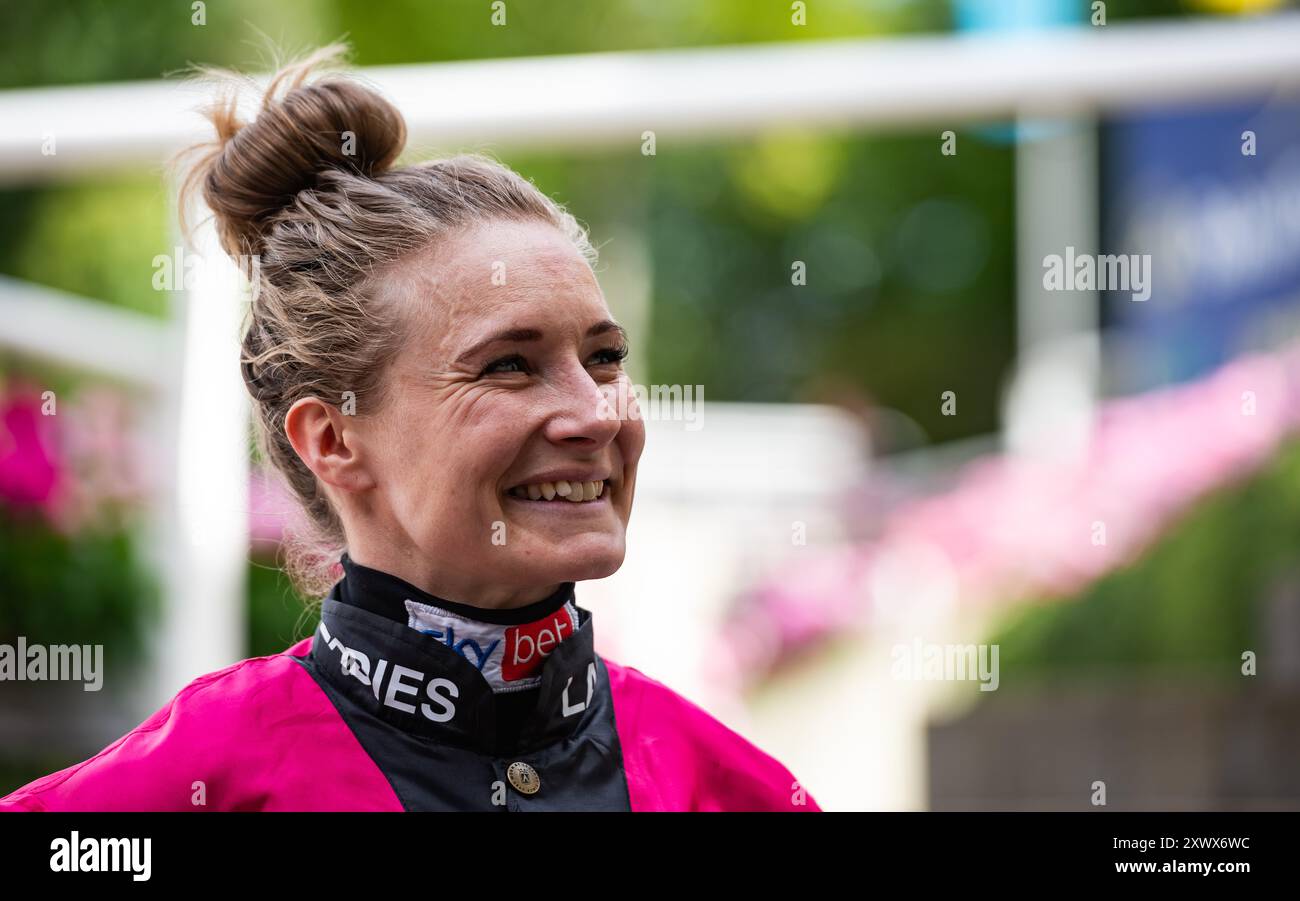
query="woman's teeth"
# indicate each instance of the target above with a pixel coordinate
(565, 491)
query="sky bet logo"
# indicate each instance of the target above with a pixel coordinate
(509, 657)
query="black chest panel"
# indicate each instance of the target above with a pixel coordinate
(431, 722)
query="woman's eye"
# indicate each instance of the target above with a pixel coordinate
(512, 363)
(610, 355)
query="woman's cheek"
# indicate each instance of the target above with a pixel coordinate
(624, 399)
(631, 436)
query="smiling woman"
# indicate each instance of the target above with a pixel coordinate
(497, 388)
(477, 477)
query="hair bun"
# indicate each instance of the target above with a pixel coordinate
(254, 170)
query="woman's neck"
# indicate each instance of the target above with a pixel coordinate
(440, 584)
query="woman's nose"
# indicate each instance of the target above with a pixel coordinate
(585, 413)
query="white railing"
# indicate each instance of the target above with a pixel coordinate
(612, 98)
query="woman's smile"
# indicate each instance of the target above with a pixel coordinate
(564, 506)
(573, 492)
(565, 493)
(572, 486)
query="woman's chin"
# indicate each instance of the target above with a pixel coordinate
(578, 559)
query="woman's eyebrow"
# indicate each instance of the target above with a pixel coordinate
(510, 334)
(606, 325)
(532, 334)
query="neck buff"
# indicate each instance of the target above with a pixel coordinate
(507, 646)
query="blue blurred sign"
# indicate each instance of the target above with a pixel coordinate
(1213, 195)
(1017, 16)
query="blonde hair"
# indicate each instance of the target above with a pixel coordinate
(308, 189)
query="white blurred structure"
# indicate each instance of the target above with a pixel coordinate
(709, 504)
(611, 98)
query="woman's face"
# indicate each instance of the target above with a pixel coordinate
(501, 397)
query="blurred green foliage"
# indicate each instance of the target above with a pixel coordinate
(1192, 603)
(909, 268)
(78, 41)
(95, 238)
(90, 588)
(16, 770)
(277, 615)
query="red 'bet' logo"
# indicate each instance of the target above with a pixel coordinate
(527, 646)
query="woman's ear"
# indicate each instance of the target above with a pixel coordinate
(328, 442)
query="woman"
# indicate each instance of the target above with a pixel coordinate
(433, 368)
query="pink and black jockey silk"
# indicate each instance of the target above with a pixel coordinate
(427, 717)
(386, 595)
(371, 714)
